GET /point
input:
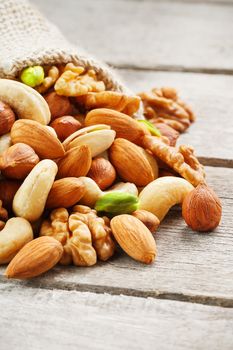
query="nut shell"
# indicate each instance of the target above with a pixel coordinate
(17, 161)
(102, 172)
(201, 209)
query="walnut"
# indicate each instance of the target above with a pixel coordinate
(110, 99)
(73, 82)
(83, 235)
(49, 80)
(3, 216)
(100, 230)
(182, 160)
(163, 105)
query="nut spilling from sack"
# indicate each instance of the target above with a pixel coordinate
(80, 175)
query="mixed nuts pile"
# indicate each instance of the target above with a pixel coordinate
(81, 174)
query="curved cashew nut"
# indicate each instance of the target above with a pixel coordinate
(161, 194)
(16, 233)
(26, 102)
(30, 199)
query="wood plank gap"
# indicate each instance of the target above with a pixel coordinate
(165, 295)
(174, 68)
(216, 162)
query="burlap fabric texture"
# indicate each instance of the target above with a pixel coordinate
(27, 38)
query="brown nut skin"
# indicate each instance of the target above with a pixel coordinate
(7, 118)
(17, 161)
(169, 132)
(8, 189)
(58, 105)
(65, 193)
(201, 209)
(65, 126)
(148, 219)
(102, 172)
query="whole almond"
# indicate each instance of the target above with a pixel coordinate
(65, 193)
(35, 258)
(76, 162)
(134, 238)
(39, 137)
(125, 126)
(102, 172)
(132, 162)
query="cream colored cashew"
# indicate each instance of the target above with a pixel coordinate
(30, 199)
(161, 194)
(25, 101)
(16, 233)
(93, 192)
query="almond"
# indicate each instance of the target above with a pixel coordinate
(65, 193)
(102, 172)
(134, 238)
(35, 258)
(76, 162)
(125, 126)
(132, 162)
(39, 137)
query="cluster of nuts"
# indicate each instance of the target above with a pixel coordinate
(81, 173)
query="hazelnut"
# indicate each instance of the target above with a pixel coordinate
(65, 126)
(17, 161)
(58, 105)
(102, 172)
(8, 189)
(7, 118)
(201, 209)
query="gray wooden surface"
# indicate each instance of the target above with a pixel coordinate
(153, 43)
(45, 319)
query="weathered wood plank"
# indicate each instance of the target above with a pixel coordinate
(40, 319)
(190, 266)
(168, 35)
(211, 97)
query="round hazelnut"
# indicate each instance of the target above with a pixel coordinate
(102, 172)
(201, 209)
(8, 189)
(58, 105)
(7, 118)
(17, 161)
(65, 126)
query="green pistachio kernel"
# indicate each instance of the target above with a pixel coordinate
(153, 130)
(117, 203)
(32, 76)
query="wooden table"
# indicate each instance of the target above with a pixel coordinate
(185, 299)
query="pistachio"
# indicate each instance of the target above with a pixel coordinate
(117, 203)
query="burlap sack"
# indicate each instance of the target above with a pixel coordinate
(27, 38)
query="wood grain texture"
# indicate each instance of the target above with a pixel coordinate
(211, 97)
(40, 319)
(149, 34)
(190, 266)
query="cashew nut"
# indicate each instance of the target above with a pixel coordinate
(29, 201)
(16, 233)
(93, 192)
(161, 194)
